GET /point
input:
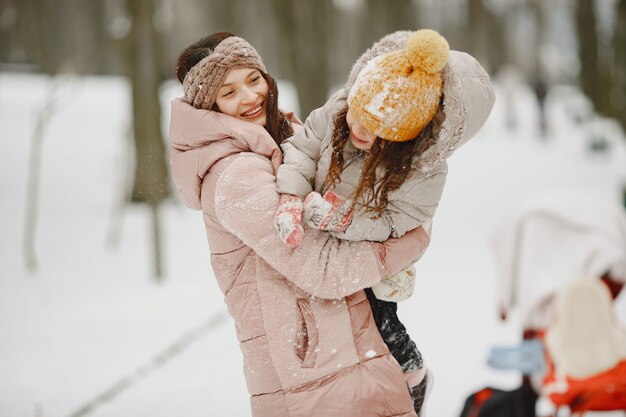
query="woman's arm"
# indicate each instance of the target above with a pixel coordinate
(245, 202)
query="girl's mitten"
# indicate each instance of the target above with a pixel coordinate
(330, 212)
(287, 220)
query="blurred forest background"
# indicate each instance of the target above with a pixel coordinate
(314, 43)
(311, 44)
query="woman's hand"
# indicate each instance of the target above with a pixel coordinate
(330, 212)
(288, 218)
(397, 253)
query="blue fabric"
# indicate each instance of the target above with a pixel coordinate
(528, 357)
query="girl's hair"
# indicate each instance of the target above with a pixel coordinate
(386, 167)
(277, 125)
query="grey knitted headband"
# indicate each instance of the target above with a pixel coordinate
(203, 81)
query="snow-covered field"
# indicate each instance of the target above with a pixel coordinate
(92, 332)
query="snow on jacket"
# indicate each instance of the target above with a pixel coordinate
(310, 346)
(468, 97)
(551, 241)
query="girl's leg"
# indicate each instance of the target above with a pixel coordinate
(394, 333)
(402, 348)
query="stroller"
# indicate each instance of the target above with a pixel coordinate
(561, 263)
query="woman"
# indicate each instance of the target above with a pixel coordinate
(309, 342)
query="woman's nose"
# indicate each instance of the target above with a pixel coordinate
(247, 95)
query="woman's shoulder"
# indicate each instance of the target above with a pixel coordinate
(249, 167)
(296, 124)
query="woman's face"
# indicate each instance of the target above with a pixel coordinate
(360, 137)
(243, 95)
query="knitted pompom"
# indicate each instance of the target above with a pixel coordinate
(428, 50)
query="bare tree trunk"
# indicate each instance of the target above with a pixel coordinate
(222, 14)
(618, 88)
(283, 9)
(304, 27)
(594, 78)
(587, 48)
(498, 52)
(478, 44)
(151, 184)
(383, 18)
(43, 16)
(9, 17)
(537, 76)
(156, 240)
(123, 186)
(617, 93)
(486, 36)
(34, 173)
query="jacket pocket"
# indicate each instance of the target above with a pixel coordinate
(308, 335)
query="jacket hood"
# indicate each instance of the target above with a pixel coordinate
(200, 138)
(468, 98)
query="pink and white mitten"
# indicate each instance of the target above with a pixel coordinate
(330, 212)
(287, 220)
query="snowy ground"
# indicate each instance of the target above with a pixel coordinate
(92, 333)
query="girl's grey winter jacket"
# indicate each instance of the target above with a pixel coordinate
(468, 97)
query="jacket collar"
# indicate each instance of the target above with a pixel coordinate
(200, 138)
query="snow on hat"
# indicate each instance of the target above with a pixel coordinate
(203, 81)
(397, 94)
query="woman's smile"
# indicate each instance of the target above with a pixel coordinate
(254, 112)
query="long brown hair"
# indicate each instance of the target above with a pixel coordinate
(395, 159)
(277, 125)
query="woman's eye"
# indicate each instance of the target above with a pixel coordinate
(227, 93)
(255, 80)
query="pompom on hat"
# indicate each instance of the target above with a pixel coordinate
(397, 94)
(203, 81)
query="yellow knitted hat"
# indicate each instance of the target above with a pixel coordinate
(398, 93)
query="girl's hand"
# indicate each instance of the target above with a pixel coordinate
(331, 212)
(288, 218)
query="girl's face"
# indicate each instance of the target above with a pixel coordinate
(243, 95)
(360, 137)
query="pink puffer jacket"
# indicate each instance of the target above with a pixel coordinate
(309, 342)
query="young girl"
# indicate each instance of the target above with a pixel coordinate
(308, 342)
(371, 163)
